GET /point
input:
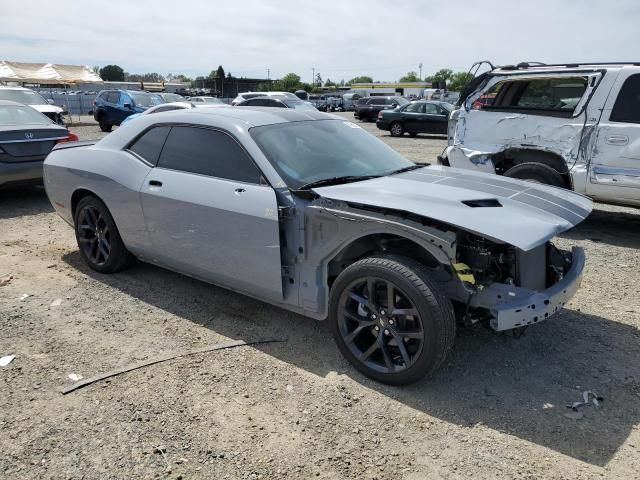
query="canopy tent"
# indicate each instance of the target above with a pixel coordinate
(46, 73)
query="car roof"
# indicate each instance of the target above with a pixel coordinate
(7, 103)
(558, 68)
(8, 87)
(247, 116)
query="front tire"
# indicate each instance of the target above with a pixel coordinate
(396, 129)
(105, 126)
(390, 320)
(99, 241)
(536, 173)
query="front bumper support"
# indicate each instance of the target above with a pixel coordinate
(512, 307)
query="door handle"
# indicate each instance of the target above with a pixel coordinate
(239, 191)
(155, 183)
(617, 140)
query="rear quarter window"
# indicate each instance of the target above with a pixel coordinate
(149, 145)
(627, 106)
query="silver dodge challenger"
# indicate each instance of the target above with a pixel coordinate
(311, 213)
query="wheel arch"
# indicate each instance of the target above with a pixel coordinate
(377, 243)
(509, 158)
(78, 195)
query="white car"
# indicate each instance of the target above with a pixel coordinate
(574, 126)
(34, 100)
(200, 100)
(247, 95)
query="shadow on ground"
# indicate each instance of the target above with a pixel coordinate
(24, 201)
(518, 387)
(614, 228)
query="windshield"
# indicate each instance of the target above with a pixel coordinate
(146, 100)
(22, 96)
(308, 151)
(299, 105)
(19, 115)
(172, 97)
(401, 100)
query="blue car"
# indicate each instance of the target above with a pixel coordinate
(111, 107)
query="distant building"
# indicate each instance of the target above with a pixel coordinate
(385, 89)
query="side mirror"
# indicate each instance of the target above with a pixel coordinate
(50, 101)
(128, 105)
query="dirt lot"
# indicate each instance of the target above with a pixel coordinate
(297, 409)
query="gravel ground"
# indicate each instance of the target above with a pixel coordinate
(297, 410)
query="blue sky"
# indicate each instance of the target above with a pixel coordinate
(340, 39)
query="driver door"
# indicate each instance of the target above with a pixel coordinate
(209, 213)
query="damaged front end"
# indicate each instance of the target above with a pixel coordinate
(511, 288)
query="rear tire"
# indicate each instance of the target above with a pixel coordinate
(396, 129)
(99, 241)
(105, 126)
(536, 173)
(394, 338)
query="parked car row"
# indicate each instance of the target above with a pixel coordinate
(26, 96)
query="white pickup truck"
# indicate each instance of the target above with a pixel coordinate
(575, 126)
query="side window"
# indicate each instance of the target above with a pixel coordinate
(545, 94)
(431, 109)
(277, 103)
(207, 152)
(414, 108)
(149, 145)
(113, 97)
(125, 98)
(627, 106)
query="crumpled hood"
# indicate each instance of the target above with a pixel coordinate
(519, 213)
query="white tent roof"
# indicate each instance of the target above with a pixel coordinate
(46, 73)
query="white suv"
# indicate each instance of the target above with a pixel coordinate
(575, 126)
(247, 95)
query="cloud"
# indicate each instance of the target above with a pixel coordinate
(339, 39)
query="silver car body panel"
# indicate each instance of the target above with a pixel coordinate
(274, 245)
(528, 215)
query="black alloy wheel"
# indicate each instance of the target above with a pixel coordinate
(94, 237)
(380, 325)
(98, 238)
(390, 320)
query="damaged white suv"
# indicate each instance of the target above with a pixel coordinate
(575, 126)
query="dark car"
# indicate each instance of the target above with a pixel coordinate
(26, 138)
(416, 117)
(113, 106)
(369, 109)
(277, 102)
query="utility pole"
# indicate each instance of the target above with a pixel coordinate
(420, 67)
(268, 73)
(313, 77)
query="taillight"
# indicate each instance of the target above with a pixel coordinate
(477, 105)
(380, 115)
(72, 137)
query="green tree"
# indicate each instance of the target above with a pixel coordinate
(442, 75)
(318, 79)
(410, 77)
(220, 72)
(112, 73)
(329, 83)
(361, 79)
(458, 81)
(289, 83)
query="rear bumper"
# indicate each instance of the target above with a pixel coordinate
(512, 307)
(19, 173)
